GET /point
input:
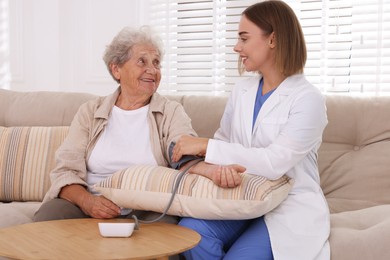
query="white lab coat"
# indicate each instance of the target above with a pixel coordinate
(285, 140)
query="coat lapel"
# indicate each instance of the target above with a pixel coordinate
(288, 86)
(247, 101)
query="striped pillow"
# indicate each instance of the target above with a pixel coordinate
(149, 188)
(26, 158)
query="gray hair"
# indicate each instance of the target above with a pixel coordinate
(119, 51)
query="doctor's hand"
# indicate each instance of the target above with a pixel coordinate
(189, 145)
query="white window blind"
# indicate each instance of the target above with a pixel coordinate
(370, 62)
(4, 45)
(348, 44)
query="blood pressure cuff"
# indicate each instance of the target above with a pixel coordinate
(183, 160)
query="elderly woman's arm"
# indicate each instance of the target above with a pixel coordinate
(94, 206)
(69, 176)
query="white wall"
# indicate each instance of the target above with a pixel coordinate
(57, 45)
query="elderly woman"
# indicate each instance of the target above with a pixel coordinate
(134, 125)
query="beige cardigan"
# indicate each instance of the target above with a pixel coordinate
(167, 121)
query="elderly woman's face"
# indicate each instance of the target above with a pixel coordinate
(141, 74)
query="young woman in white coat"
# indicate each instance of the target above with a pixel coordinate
(272, 125)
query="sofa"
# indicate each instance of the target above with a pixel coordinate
(354, 160)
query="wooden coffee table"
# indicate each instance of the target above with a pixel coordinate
(80, 239)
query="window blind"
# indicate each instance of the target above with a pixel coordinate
(4, 45)
(370, 61)
(348, 44)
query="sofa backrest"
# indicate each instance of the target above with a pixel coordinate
(354, 158)
(40, 108)
(204, 111)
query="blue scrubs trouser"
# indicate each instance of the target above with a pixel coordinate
(229, 239)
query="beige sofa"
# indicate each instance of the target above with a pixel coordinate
(354, 162)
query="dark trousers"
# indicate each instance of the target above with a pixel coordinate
(62, 209)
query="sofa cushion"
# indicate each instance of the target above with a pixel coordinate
(150, 188)
(16, 213)
(26, 158)
(354, 156)
(361, 234)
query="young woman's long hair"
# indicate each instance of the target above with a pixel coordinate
(277, 17)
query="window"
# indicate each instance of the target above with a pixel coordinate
(4, 42)
(348, 44)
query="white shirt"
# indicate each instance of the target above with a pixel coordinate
(124, 142)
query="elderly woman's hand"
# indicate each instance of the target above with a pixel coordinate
(189, 145)
(228, 176)
(99, 207)
(93, 206)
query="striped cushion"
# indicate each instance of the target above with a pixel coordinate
(26, 158)
(149, 188)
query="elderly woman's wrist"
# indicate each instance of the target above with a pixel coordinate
(196, 169)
